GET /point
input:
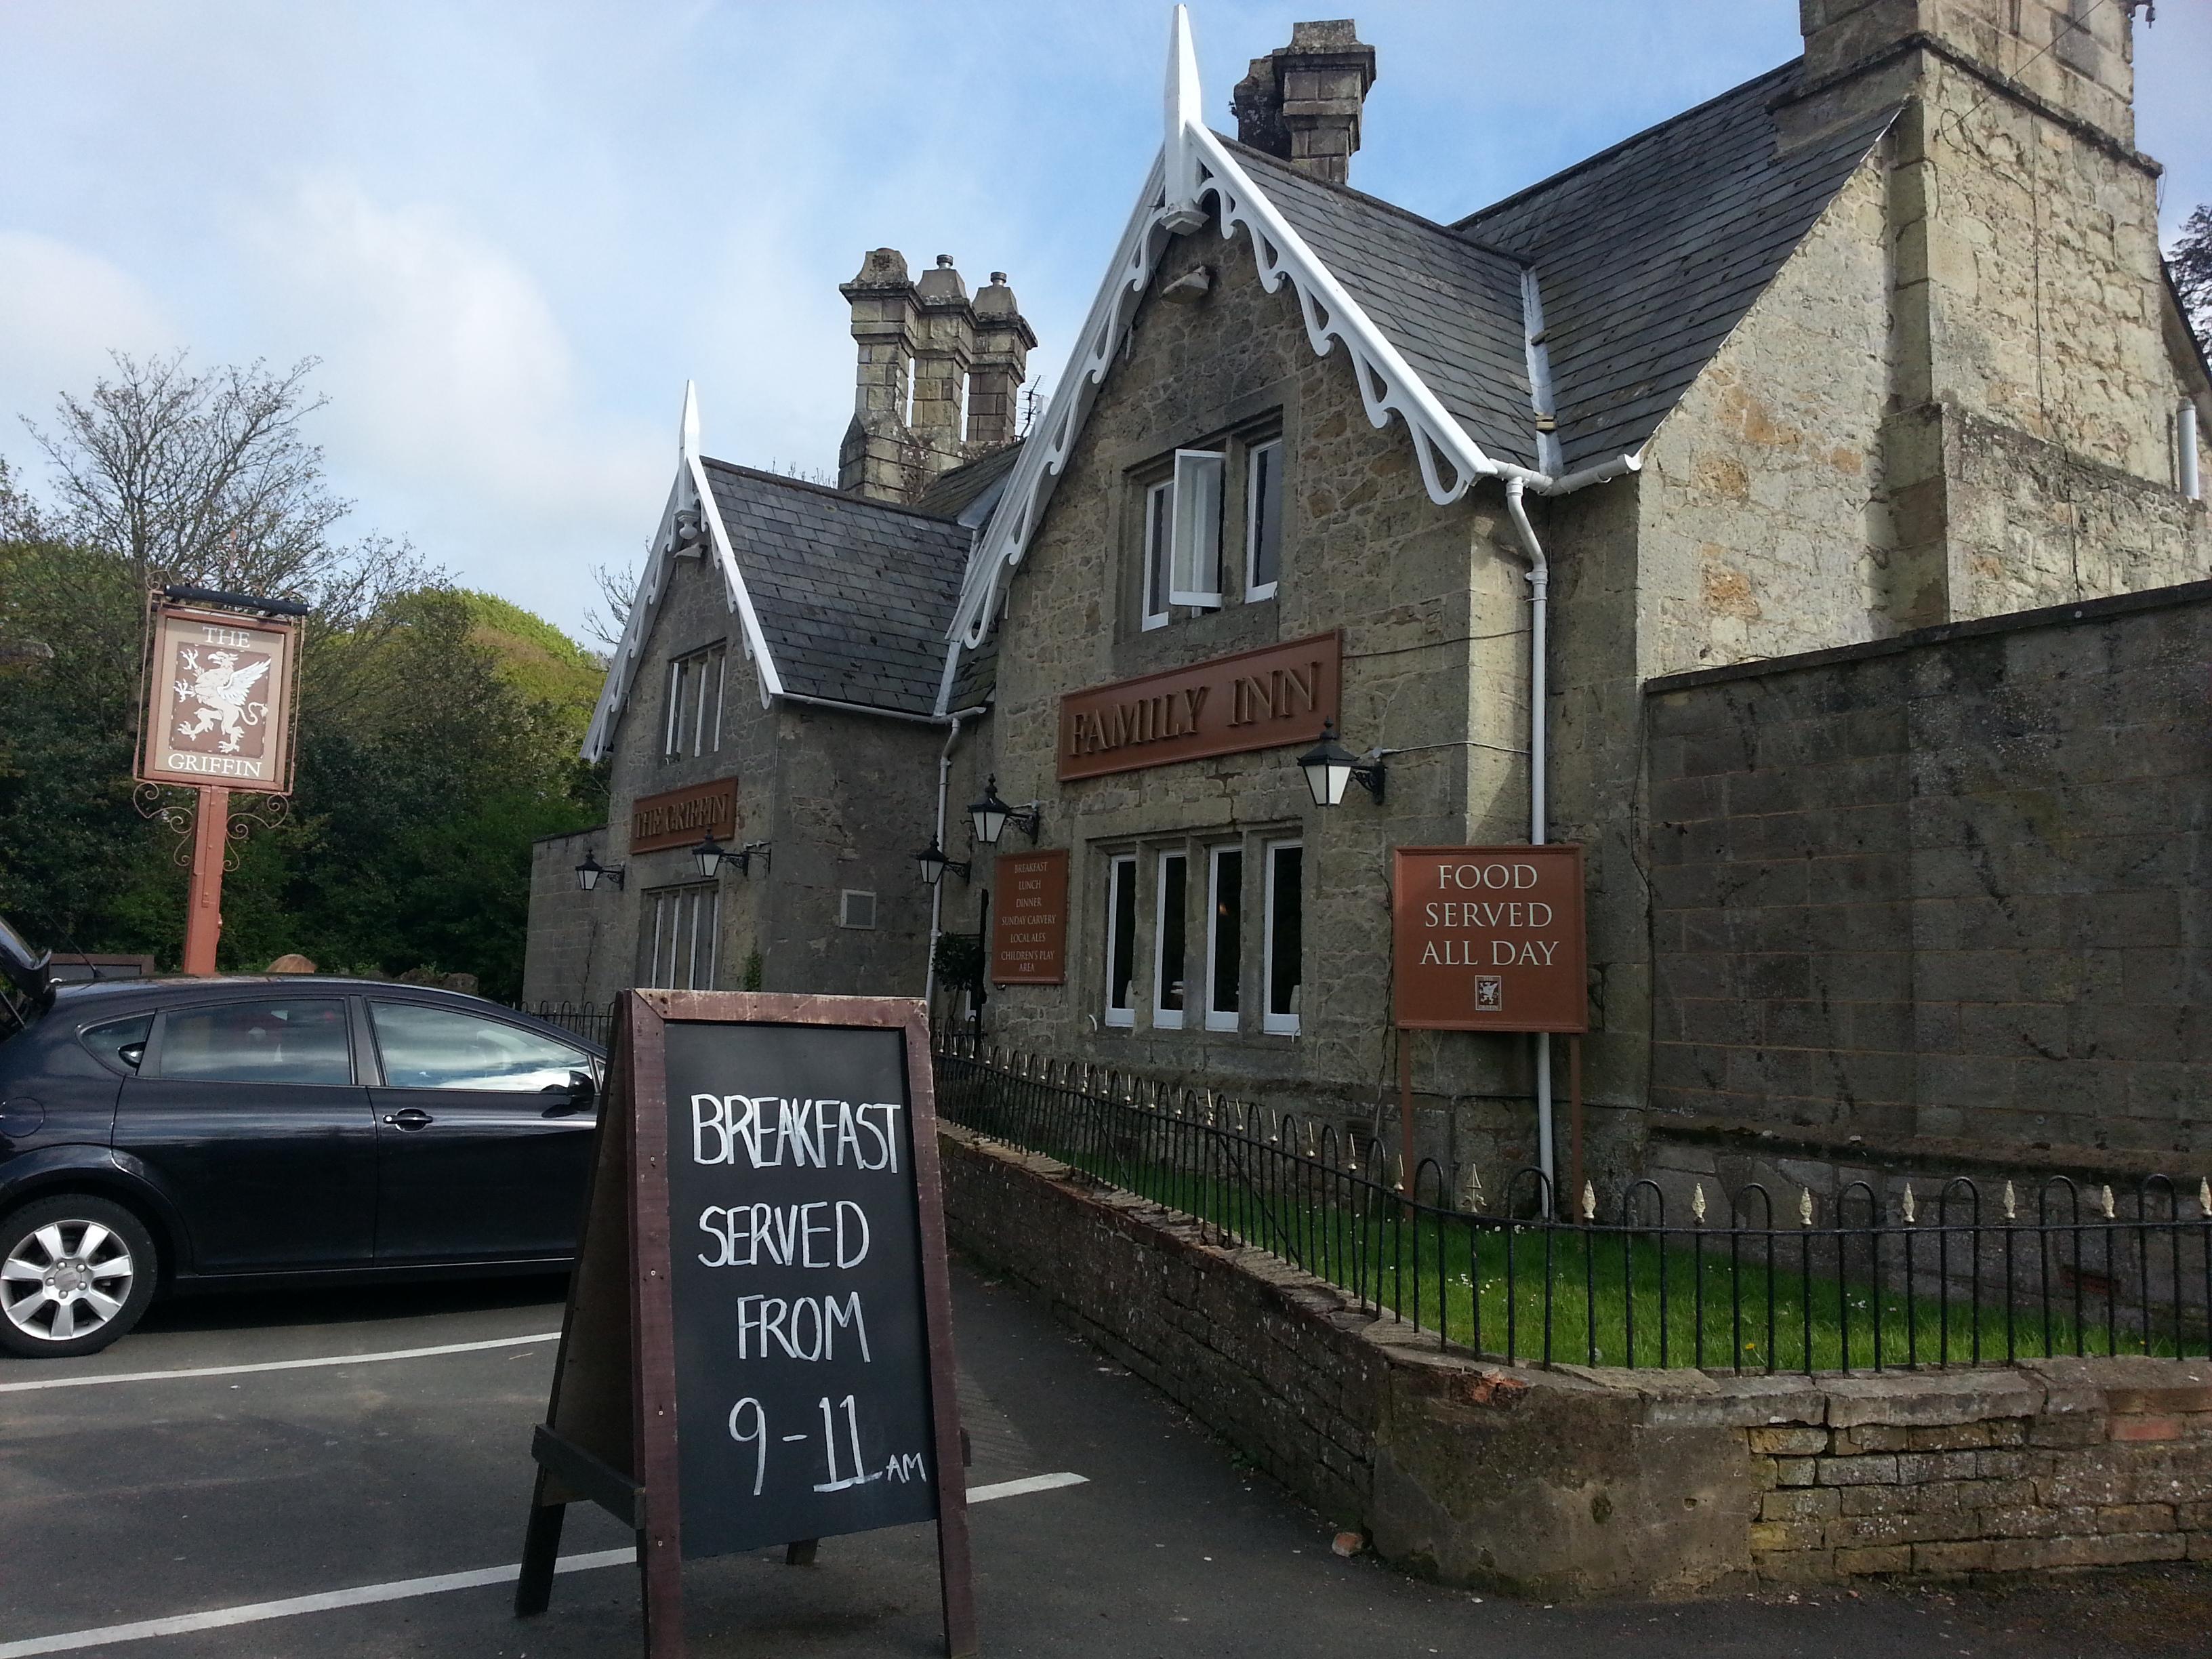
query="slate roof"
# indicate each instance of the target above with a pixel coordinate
(1452, 309)
(1647, 254)
(950, 494)
(854, 596)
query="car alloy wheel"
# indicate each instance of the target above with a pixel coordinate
(65, 1280)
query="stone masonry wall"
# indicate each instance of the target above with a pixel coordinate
(1956, 885)
(1578, 1481)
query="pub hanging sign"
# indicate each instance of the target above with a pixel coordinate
(219, 689)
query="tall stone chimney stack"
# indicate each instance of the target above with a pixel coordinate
(2025, 300)
(878, 455)
(946, 350)
(1003, 340)
(1303, 101)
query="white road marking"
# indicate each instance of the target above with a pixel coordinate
(399, 1589)
(1007, 1489)
(276, 1366)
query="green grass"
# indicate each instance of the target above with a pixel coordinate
(1606, 1305)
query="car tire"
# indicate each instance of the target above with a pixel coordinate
(76, 1273)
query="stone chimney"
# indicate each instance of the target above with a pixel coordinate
(943, 353)
(878, 457)
(1003, 339)
(2076, 56)
(1302, 101)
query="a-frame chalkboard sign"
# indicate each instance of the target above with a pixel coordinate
(757, 1348)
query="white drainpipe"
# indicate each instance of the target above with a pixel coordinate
(1539, 580)
(2185, 431)
(937, 892)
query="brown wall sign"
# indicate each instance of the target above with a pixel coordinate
(1262, 699)
(1029, 922)
(219, 700)
(682, 818)
(1489, 939)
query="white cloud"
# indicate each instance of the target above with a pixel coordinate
(456, 404)
(62, 310)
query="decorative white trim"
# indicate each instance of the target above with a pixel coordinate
(1194, 166)
(645, 604)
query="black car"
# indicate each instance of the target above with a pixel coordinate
(163, 1135)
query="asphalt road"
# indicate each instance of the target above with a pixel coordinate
(149, 1499)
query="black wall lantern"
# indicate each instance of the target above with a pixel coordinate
(589, 871)
(992, 816)
(1328, 766)
(933, 863)
(711, 856)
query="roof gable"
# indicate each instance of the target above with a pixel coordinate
(1649, 253)
(853, 595)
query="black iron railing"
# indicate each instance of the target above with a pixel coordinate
(594, 1020)
(1920, 1275)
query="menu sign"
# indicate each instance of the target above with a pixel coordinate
(757, 1348)
(1280, 694)
(1489, 939)
(1029, 922)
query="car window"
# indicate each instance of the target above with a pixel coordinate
(119, 1042)
(271, 1042)
(426, 1048)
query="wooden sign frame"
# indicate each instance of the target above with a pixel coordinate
(609, 1429)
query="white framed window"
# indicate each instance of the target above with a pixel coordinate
(696, 684)
(1224, 937)
(1194, 567)
(1182, 537)
(1159, 523)
(685, 929)
(855, 908)
(1263, 519)
(1284, 949)
(1171, 945)
(1121, 939)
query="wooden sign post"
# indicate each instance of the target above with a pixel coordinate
(757, 1348)
(1488, 939)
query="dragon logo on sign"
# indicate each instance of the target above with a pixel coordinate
(222, 687)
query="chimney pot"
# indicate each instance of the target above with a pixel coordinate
(1303, 101)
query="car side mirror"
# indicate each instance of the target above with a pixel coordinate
(130, 1054)
(582, 1090)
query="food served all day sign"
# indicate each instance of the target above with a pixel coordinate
(758, 1347)
(1489, 939)
(219, 689)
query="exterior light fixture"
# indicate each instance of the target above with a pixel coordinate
(934, 864)
(589, 871)
(711, 856)
(1328, 766)
(992, 816)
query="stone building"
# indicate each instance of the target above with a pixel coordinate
(1877, 344)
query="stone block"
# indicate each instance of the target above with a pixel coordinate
(1951, 1436)
(1795, 1471)
(1796, 1442)
(1943, 1560)
(1807, 1504)
(1879, 1468)
(1931, 1399)
(1861, 1562)
(2135, 1517)
(1785, 1534)
(1871, 1437)
(2145, 1426)
(1815, 1566)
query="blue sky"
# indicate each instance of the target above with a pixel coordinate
(512, 231)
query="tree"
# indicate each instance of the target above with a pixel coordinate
(205, 479)
(2190, 264)
(439, 728)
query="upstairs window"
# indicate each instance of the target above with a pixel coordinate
(681, 944)
(695, 704)
(1263, 519)
(1182, 537)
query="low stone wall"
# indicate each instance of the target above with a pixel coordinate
(1577, 1481)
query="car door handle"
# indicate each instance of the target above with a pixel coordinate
(412, 1117)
